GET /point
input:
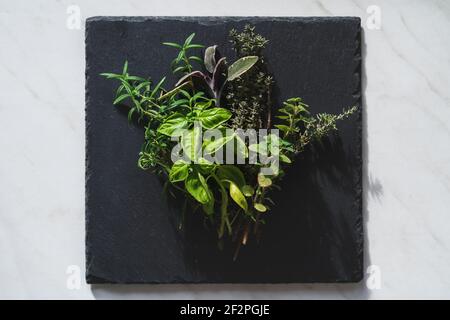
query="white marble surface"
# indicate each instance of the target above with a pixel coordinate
(407, 149)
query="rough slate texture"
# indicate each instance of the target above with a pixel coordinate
(313, 234)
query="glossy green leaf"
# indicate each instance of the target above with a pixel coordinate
(211, 118)
(232, 173)
(174, 91)
(171, 44)
(282, 127)
(241, 147)
(218, 143)
(259, 148)
(260, 207)
(111, 75)
(125, 67)
(264, 181)
(121, 98)
(241, 66)
(179, 171)
(196, 186)
(285, 158)
(204, 166)
(191, 143)
(189, 39)
(157, 87)
(238, 197)
(173, 123)
(247, 190)
(195, 46)
(195, 58)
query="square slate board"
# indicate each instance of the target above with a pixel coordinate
(313, 234)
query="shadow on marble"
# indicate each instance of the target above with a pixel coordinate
(372, 189)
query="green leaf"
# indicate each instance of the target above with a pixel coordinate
(211, 118)
(241, 66)
(237, 196)
(247, 190)
(130, 114)
(195, 58)
(173, 91)
(217, 144)
(142, 85)
(157, 87)
(189, 40)
(241, 147)
(196, 186)
(178, 69)
(135, 78)
(259, 148)
(125, 67)
(231, 173)
(171, 44)
(180, 56)
(285, 158)
(121, 98)
(171, 124)
(264, 181)
(191, 143)
(111, 75)
(194, 46)
(283, 127)
(179, 171)
(260, 207)
(204, 166)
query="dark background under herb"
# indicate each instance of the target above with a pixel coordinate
(314, 234)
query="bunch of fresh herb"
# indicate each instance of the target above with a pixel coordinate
(234, 198)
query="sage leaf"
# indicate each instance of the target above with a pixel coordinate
(241, 66)
(210, 58)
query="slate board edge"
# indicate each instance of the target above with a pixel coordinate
(208, 20)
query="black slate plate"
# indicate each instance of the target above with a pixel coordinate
(315, 232)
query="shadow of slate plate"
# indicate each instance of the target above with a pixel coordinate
(315, 231)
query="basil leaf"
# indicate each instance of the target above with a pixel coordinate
(179, 171)
(197, 187)
(247, 190)
(217, 144)
(173, 123)
(264, 181)
(231, 173)
(191, 143)
(211, 118)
